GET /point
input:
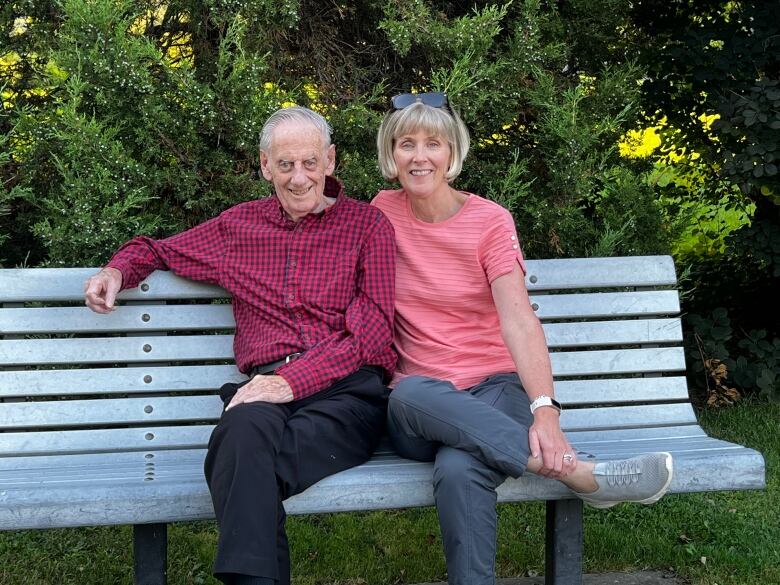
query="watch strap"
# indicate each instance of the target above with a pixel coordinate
(545, 400)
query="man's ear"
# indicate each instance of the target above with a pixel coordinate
(265, 166)
(330, 157)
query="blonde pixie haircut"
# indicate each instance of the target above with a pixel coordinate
(443, 122)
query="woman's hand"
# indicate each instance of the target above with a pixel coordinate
(549, 444)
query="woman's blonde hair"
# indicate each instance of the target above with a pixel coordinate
(443, 122)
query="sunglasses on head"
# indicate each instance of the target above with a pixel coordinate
(433, 99)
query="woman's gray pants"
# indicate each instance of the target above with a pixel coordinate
(476, 438)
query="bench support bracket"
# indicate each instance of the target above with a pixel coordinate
(150, 549)
(563, 556)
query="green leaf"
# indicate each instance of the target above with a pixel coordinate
(721, 314)
(721, 333)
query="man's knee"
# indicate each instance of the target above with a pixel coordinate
(253, 424)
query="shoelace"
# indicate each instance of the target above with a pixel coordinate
(619, 473)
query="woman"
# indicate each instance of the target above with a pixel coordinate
(474, 389)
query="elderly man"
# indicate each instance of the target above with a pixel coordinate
(312, 275)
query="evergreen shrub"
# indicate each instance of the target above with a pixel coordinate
(141, 117)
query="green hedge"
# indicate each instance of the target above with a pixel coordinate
(123, 119)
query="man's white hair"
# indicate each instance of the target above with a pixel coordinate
(294, 114)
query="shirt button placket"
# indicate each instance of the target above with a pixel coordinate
(294, 278)
(292, 263)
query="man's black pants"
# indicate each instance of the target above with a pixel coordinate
(261, 453)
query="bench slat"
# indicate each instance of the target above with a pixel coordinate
(74, 382)
(163, 409)
(620, 361)
(618, 417)
(592, 439)
(622, 450)
(14, 444)
(67, 285)
(574, 363)
(641, 271)
(73, 413)
(621, 390)
(606, 304)
(147, 379)
(105, 440)
(135, 318)
(116, 350)
(101, 350)
(126, 318)
(609, 333)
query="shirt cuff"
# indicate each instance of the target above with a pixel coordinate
(126, 270)
(300, 378)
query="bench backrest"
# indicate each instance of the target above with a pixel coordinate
(145, 377)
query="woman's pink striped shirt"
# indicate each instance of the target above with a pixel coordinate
(446, 323)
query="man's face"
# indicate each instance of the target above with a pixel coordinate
(297, 164)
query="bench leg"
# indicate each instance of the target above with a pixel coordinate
(563, 557)
(150, 548)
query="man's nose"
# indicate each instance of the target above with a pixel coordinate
(298, 175)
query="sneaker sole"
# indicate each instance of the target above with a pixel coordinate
(647, 501)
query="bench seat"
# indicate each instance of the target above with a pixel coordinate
(128, 488)
(104, 419)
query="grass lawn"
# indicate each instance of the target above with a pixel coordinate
(713, 538)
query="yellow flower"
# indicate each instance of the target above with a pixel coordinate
(587, 83)
(311, 91)
(20, 26)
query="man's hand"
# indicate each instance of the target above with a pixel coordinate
(101, 289)
(547, 440)
(262, 389)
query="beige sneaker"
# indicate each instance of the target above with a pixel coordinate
(643, 479)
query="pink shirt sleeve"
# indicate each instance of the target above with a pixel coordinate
(499, 247)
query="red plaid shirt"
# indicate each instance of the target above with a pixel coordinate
(323, 285)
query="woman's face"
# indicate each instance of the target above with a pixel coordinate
(422, 161)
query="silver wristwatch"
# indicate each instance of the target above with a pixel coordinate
(545, 400)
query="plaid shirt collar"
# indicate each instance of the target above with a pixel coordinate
(333, 189)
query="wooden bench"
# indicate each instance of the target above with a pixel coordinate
(105, 419)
